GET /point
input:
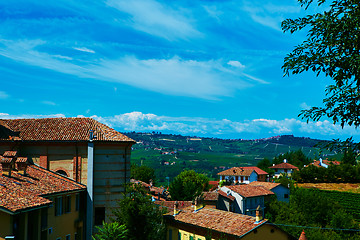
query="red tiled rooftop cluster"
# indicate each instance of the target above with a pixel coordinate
(246, 190)
(267, 185)
(236, 171)
(285, 166)
(218, 220)
(20, 192)
(58, 129)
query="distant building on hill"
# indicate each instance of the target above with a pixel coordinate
(243, 175)
(324, 163)
(284, 168)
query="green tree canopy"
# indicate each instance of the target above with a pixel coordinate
(111, 231)
(332, 48)
(141, 217)
(143, 173)
(188, 185)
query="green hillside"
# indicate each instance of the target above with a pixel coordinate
(170, 154)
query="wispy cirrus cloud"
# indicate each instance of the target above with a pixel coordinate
(3, 95)
(171, 76)
(156, 18)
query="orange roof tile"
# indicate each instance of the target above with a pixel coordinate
(169, 205)
(20, 192)
(257, 170)
(58, 129)
(267, 185)
(246, 190)
(285, 166)
(222, 193)
(218, 220)
(210, 196)
(236, 171)
(327, 162)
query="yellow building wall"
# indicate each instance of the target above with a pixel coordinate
(5, 225)
(266, 231)
(184, 234)
(64, 224)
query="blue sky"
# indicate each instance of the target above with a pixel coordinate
(205, 68)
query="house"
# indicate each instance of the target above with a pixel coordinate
(198, 223)
(262, 175)
(83, 149)
(238, 175)
(284, 168)
(36, 203)
(282, 193)
(324, 163)
(247, 198)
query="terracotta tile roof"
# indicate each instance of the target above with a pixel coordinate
(236, 171)
(58, 129)
(246, 190)
(169, 205)
(222, 193)
(285, 166)
(267, 185)
(327, 162)
(257, 170)
(218, 220)
(9, 153)
(20, 192)
(210, 196)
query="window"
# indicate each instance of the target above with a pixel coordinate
(286, 195)
(77, 202)
(58, 206)
(67, 204)
(179, 236)
(99, 215)
(191, 238)
(67, 237)
(170, 234)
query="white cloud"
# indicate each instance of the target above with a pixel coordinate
(156, 19)
(172, 76)
(84, 49)
(305, 106)
(137, 121)
(49, 103)
(8, 116)
(236, 64)
(3, 95)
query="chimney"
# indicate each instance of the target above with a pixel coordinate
(176, 208)
(198, 204)
(7, 164)
(321, 162)
(285, 161)
(258, 217)
(21, 164)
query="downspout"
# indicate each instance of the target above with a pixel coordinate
(90, 189)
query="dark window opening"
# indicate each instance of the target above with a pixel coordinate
(99, 215)
(286, 195)
(62, 172)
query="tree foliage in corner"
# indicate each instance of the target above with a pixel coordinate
(111, 231)
(143, 173)
(188, 185)
(332, 48)
(141, 217)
